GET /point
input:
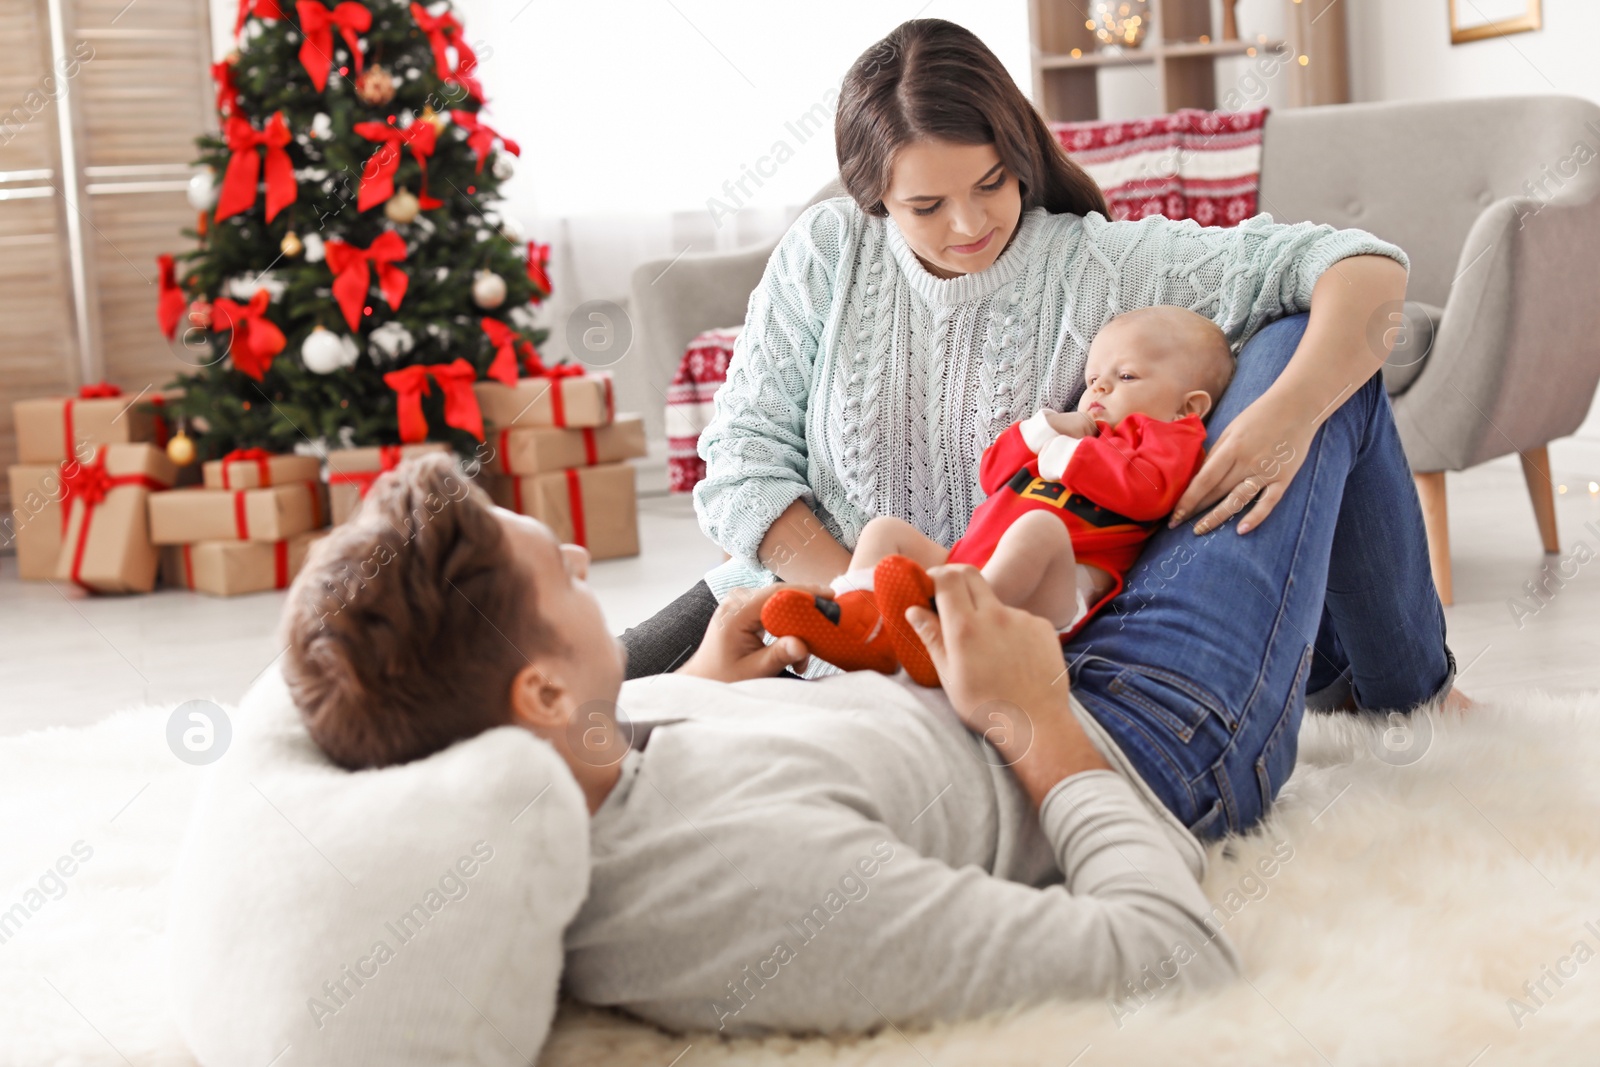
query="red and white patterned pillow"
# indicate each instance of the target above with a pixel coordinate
(700, 374)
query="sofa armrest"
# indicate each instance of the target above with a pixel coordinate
(1517, 356)
(675, 299)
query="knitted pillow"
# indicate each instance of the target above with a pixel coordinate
(409, 915)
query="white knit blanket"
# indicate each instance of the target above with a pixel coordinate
(1441, 910)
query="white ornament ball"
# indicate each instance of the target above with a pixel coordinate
(314, 250)
(502, 167)
(402, 207)
(322, 353)
(488, 289)
(203, 190)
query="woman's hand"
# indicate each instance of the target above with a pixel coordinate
(732, 649)
(1258, 453)
(1003, 671)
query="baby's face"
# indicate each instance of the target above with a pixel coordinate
(1129, 371)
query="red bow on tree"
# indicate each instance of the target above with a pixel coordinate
(443, 32)
(481, 136)
(255, 339)
(264, 9)
(170, 303)
(538, 260)
(317, 23)
(227, 91)
(352, 274)
(377, 177)
(507, 343)
(239, 183)
(460, 402)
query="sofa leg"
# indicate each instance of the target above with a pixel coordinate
(1436, 519)
(1536, 472)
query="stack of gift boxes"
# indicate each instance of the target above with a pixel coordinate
(557, 451)
(247, 529)
(87, 465)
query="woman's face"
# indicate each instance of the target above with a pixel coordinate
(956, 205)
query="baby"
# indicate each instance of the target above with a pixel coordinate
(1071, 499)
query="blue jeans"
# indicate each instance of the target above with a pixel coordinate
(1200, 667)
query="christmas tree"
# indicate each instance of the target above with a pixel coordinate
(350, 258)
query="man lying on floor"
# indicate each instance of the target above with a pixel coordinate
(770, 853)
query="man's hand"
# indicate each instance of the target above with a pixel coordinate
(1072, 423)
(1003, 671)
(732, 649)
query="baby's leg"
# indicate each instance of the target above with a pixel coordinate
(889, 536)
(1033, 567)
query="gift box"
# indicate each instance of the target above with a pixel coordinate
(561, 400)
(590, 506)
(351, 472)
(52, 429)
(35, 526)
(267, 514)
(106, 544)
(233, 568)
(542, 449)
(255, 468)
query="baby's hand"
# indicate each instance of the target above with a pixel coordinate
(1072, 423)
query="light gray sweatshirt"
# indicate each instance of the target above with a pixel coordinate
(835, 854)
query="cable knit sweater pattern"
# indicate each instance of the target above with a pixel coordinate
(865, 385)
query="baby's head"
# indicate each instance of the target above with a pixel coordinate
(1164, 361)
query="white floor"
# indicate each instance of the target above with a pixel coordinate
(68, 659)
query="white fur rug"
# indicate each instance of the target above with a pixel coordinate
(1443, 911)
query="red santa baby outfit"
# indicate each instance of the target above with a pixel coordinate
(1112, 490)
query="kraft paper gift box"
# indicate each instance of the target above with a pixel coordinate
(590, 506)
(35, 524)
(49, 429)
(233, 568)
(106, 544)
(254, 469)
(579, 400)
(351, 472)
(542, 449)
(268, 514)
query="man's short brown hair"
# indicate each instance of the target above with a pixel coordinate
(408, 623)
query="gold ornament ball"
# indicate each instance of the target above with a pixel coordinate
(439, 119)
(180, 449)
(375, 86)
(292, 246)
(402, 207)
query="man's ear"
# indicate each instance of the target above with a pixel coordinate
(1196, 402)
(539, 700)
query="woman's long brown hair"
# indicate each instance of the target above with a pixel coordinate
(933, 79)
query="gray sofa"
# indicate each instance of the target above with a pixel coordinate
(1497, 349)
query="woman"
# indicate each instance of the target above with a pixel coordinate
(897, 331)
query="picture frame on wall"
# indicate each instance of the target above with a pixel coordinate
(1478, 20)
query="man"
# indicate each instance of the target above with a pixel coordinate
(767, 853)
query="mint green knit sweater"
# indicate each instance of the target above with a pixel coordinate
(865, 385)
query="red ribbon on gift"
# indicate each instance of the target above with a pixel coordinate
(538, 273)
(95, 391)
(241, 514)
(507, 343)
(444, 31)
(481, 136)
(537, 369)
(580, 536)
(255, 339)
(89, 483)
(377, 176)
(280, 564)
(460, 402)
(591, 452)
(352, 270)
(170, 300)
(264, 9)
(388, 460)
(317, 23)
(259, 456)
(244, 168)
(227, 91)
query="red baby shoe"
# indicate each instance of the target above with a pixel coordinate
(900, 583)
(847, 632)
